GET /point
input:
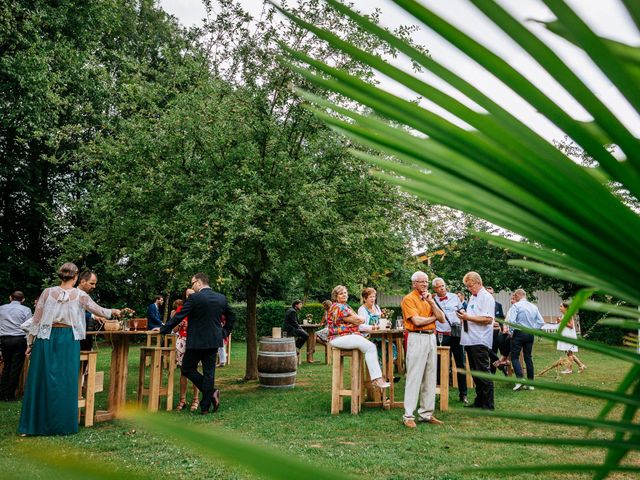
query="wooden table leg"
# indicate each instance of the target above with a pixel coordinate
(118, 374)
(311, 346)
(444, 380)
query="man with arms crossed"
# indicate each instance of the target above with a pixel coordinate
(13, 343)
(420, 313)
(477, 336)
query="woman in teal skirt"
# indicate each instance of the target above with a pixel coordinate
(50, 403)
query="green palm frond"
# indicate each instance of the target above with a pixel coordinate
(501, 170)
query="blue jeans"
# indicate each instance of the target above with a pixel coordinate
(522, 341)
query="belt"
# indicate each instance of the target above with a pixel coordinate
(423, 332)
(60, 325)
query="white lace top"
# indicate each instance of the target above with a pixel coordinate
(57, 305)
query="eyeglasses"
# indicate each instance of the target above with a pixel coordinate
(421, 281)
(195, 281)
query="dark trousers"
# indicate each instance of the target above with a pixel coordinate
(457, 352)
(203, 381)
(301, 336)
(522, 341)
(479, 362)
(13, 349)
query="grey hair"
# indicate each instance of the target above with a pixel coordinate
(437, 279)
(520, 293)
(417, 274)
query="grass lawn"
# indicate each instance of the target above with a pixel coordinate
(373, 444)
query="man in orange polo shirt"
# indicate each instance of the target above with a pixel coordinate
(420, 313)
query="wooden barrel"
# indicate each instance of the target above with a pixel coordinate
(277, 362)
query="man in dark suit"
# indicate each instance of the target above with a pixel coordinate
(205, 334)
(154, 319)
(292, 326)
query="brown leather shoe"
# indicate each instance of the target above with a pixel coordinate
(434, 421)
(409, 422)
(216, 400)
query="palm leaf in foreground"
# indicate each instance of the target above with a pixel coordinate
(544, 196)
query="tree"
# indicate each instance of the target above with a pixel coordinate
(236, 178)
(70, 72)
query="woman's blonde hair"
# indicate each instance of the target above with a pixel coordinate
(336, 291)
(67, 271)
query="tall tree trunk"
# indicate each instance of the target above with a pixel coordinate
(251, 369)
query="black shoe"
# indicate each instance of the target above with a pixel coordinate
(396, 379)
(463, 399)
(216, 400)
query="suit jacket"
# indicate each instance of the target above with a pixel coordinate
(204, 329)
(291, 323)
(153, 316)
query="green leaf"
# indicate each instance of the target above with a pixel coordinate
(216, 443)
(565, 388)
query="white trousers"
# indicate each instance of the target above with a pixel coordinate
(348, 342)
(422, 359)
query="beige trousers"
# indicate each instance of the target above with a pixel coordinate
(422, 359)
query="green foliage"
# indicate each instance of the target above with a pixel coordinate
(70, 73)
(500, 170)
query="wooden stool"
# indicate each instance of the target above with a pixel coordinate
(87, 386)
(327, 353)
(167, 341)
(159, 356)
(443, 388)
(454, 372)
(337, 381)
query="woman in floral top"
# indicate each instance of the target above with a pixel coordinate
(342, 323)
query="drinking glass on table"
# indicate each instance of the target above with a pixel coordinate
(400, 323)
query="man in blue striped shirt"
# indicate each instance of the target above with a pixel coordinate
(526, 314)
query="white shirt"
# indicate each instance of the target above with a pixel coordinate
(449, 307)
(370, 319)
(480, 305)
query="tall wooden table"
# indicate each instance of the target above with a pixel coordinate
(377, 398)
(389, 337)
(119, 371)
(310, 328)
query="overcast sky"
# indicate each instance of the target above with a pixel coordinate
(606, 17)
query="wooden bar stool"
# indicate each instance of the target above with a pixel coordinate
(159, 356)
(454, 372)
(87, 386)
(337, 381)
(443, 388)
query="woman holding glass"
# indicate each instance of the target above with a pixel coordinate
(50, 404)
(344, 333)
